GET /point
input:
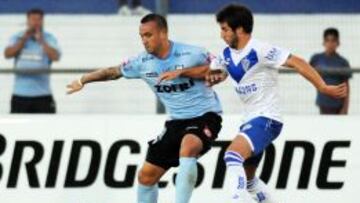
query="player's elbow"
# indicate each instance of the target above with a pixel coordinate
(8, 53)
(56, 57)
(112, 73)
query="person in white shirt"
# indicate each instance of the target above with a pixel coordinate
(253, 66)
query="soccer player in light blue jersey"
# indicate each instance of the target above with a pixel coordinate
(193, 107)
(253, 66)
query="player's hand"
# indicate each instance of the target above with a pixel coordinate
(214, 77)
(170, 75)
(335, 91)
(74, 86)
(39, 36)
(343, 111)
(28, 33)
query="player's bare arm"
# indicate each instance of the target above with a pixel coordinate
(212, 77)
(197, 72)
(306, 70)
(14, 50)
(52, 53)
(216, 76)
(103, 74)
(345, 107)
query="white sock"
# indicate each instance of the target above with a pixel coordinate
(259, 191)
(237, 178)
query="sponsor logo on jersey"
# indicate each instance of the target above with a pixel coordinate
(180, 54)
(246, 89)
(147, 58)
(152, 75)
(174, 87)
(273, 54)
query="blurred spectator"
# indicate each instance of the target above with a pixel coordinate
(134, 9)
(33, 49)
(330, 59)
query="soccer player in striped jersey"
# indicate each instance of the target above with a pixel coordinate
(253, 66)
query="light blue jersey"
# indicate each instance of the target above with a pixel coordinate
(32, 56)
(183, 97)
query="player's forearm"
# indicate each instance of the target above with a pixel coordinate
(104, 74)
(198, 72)
(345, 107)
(14, 50)
(307, 71)
(52, 53)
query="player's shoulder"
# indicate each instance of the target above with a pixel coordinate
(318, 55)
(254, 45)
(314, 59)
(260, 46)
(268, 51)
(18, 34)
(144, 57)
(135, 60)
(183, 47)
(342, 58)
(49, 35)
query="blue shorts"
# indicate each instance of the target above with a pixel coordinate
(261, 131)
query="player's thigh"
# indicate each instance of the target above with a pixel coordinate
(199, 134)
(191, 146)
(20, 105)
(45, 104)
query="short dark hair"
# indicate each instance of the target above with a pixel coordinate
(158, 19)
(332, 32)
(35, 11)
(236, 15)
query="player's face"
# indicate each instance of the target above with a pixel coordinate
(228, 35)
(331, 43)
(152, 36)
(35, 21)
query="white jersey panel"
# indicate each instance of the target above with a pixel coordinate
(255, 73)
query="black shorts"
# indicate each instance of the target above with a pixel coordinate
(164, 150)
(41, 104)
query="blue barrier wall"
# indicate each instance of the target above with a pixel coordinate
(185, 6)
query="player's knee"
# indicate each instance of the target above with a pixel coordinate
(241, 146)
(189, 152)
(146, 178)
(191, 146)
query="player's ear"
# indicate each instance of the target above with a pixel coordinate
(239, 31)
(164, 33)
